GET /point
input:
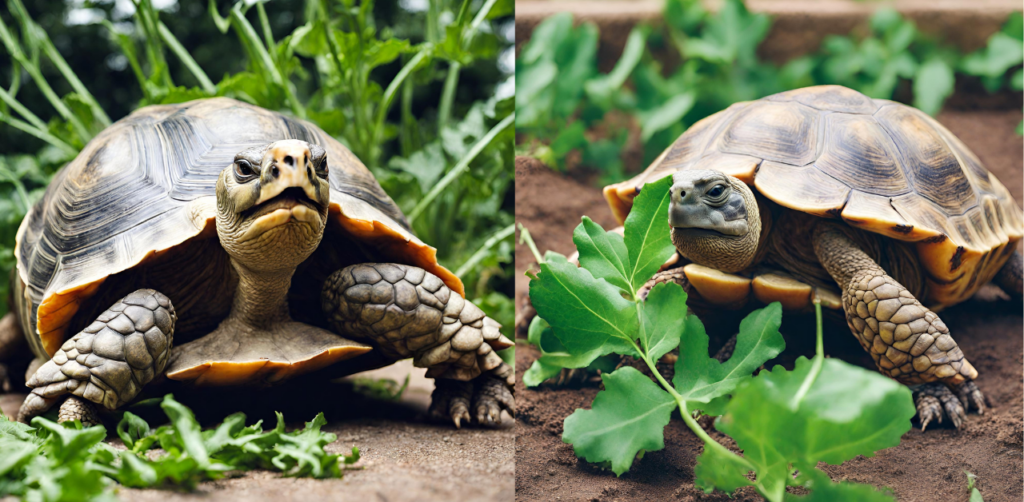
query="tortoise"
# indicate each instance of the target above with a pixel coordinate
(216, 243)
(865, 205)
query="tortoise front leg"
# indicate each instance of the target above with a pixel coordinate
(409, 312)
(907, 340)
(108, 362)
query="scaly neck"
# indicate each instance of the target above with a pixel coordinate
(261, 297)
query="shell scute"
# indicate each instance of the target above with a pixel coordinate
(858, 152)
(782, 132)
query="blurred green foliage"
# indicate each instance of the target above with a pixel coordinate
(419, 96)
(564, 103)
(50, 462)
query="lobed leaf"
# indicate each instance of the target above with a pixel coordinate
(647, 236)
(629, 415)
(700, 378)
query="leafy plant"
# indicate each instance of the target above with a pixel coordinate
(448, 165)
(380, 388)
(51, 462)
(785, 421)
(569, 113)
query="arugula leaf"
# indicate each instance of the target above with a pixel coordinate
(131, 428)
(583, 311)
(700, 378)
(602, 253)
(717, 470)
(933, 83)
(663, 319)
(626, 417)
(824, 489)
(647, 235)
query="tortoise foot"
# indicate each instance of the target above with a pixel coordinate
(490, 396)
(970, 396)
(935, 402)
(479, 401)
(75, 408)
(110, 360)
(450, 401)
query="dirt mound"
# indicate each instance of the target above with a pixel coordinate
(925, 466)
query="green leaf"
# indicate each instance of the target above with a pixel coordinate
(700, 378)
(932, 85)
(666, 115)
(602, 253)
(647, 235)
(715, 469)
(663, 319)
(629, 415)
(601, 89)
(184, 423)
(824, 489)
(131, 428)
(845, 411)
(583, 311)
(971, 481)
(426, 165)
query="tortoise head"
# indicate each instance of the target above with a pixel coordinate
(272, 204)
(715, 220)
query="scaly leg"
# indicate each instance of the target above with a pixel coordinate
(409, 312)
(907, 340)
(109, 361)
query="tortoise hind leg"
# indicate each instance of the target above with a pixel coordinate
(1010, 278)
(409, 312)
(907, 340)
(109, 361)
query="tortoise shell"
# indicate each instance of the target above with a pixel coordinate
(877, 165)
(147, 184)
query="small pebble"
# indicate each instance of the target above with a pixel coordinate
(446, 438)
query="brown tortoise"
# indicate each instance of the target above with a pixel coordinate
(217, 243)
(867, 205)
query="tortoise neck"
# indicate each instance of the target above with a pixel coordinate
(261, 297)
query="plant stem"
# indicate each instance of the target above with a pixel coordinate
(819, 360)
(480, 253)
(685, 412)
(389, 96)
(39, 133)
(461, 167)
(524, 237)
(186, 59)
(249, 34)
(24, 112)
(451, 82)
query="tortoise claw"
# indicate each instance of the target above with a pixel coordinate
(489, 398)
(935, 401)
(970, 396)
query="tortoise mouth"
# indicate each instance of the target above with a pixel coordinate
(695, 233)
(287, 199)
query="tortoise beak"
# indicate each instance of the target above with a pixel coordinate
(288, 164)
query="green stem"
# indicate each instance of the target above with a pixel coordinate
(268, 35)
(186, 59)
(39, 133)
(51, 52)
(253, 39)
(15, 51)
(685, 412)
(389, 94)
(451, 82)
(819, 360)
(524, 237)
(24, 112)
(461, 167)
(482, 252)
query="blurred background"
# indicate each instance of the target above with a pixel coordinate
(603, 87)
(421, 91)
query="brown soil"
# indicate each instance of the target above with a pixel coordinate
(405, 457)
(926, 466)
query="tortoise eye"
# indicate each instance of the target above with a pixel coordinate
(322, 170)
(716, 191)
(244, 170)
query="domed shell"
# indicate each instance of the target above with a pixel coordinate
(148, 183)
(877, 165)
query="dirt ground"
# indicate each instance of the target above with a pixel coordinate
(405, 457)
(926, 466)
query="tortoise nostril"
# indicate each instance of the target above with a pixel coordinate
(289, 160)
(275, 172)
